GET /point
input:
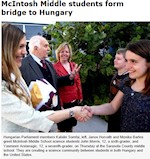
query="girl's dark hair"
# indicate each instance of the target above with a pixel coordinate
(142, 48)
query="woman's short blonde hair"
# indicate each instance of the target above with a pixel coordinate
(62, 46)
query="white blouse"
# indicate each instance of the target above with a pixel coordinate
(17, 116)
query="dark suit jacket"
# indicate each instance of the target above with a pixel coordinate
(31, 72)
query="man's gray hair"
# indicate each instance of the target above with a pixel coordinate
(34, 41)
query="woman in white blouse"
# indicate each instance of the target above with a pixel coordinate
(18, 115)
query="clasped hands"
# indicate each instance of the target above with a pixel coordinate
(83, 114)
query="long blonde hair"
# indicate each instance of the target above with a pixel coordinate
(11, 36)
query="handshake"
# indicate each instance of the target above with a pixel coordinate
(82, 114)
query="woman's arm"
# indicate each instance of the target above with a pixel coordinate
(77, 112)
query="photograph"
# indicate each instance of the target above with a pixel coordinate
(70, 72)
(75, 79)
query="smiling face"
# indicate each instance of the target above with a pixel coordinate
(137, 66)
(64, 54)
(21, 52)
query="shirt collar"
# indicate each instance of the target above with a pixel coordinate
(35, 58)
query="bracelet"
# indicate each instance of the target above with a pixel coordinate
(71, 113)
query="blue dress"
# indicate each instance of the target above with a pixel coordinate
(135, 111)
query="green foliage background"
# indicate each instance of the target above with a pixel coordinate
(94, 45)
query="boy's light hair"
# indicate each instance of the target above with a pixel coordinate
(121, 51)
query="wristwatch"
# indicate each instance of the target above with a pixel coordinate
(71, 113)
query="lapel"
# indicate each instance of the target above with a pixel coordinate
(62, 71)
(52, 71)
(72, 65)
(35, 67)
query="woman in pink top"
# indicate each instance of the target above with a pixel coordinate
(69, 95)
